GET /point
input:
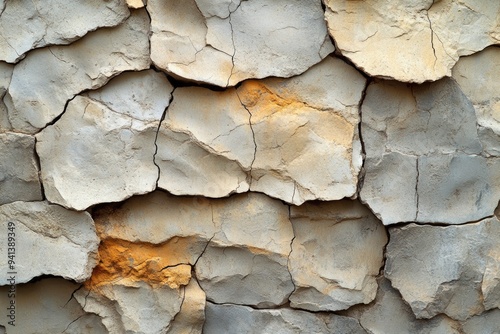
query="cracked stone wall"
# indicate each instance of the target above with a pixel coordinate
(249, 166)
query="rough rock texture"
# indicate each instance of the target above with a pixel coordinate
(488, 322)
(49, 240)
(260, 135)
(422, 148)
(411, 41)
(5, 77)
(219, 42)
(102, 149)
(477, 75)
(452, 270)
(242, 319)
(34, 100)
(336, 254)
(18, 169)
(238, 268)
(47, 306)
(25, 26)
(391, 315)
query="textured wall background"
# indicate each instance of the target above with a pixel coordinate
(226, 166)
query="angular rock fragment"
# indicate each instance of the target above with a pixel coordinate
(5, 76)
(49, 240)
(304, 119)
(105, 142)
(477, 75)
(243, 319)
(205, 144)
(26, 26)
(47, 78)
(452, 270)
(47, 306)
(422, 148)
(488, 322)
(219, 42)
(18, 169)
(390, 315)
(246, 261)
(191, 316)
(411, 41)
(135, 3)
(336, 254)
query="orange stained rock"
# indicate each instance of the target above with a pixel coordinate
(128, 262)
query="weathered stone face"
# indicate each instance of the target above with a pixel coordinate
(219, 43)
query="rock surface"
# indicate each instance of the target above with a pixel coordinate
(419, 157)
(411, 41)
(243, 319)
(33, 100)
(488, 322)
(49, 240)
(238, 268)
(452, 270)
(336, 254)
(47, 306)
(391, 315)
(5, 76)
(477, 76)
(105, 142)
(219, 43)
(25, 27)
(18, 169)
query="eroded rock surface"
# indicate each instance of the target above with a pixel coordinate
(5, 77)
(18, 169)
(105, 142)
(452, 270)
(219, 42)
(488, 322)
(243, 319)
(477, 75)
(391, 315)
(47, 78)
(25, 26)
(47, 306)
(422, 148)
(411, 41)
(49, 240)
(336, 254)
(239, 268)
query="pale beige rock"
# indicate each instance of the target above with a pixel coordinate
(18, 169)
(243, 319)
(25, 26)
(411, 41)
(47, 306)
(336, 254)
(105, 142)
(246, 261)
(419, 156)
(451, 270)
(205, 144)
(191, 316)
(49, 240)
(477, 75)
(390, 315)
(219, 43)
(138, 309)
(135, 3)
(33, 100)
(303, 119)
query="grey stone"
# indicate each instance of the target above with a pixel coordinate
(19, 179)
(451, 270)
(243, 319)
(49, 240)
(336, 254)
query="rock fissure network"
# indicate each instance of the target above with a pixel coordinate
(249, 166)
